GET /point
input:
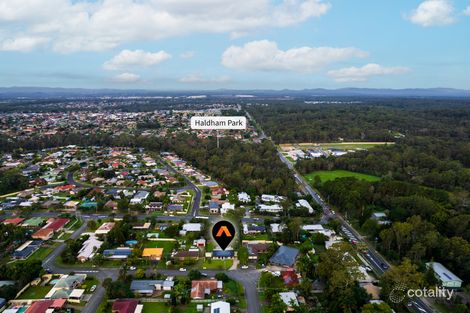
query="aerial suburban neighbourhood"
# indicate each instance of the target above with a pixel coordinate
(251, 156)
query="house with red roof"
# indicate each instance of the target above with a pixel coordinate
(48, 306)
(203, 287)
(56, 224)
(65, 188)
(13, 221)
(290, 277)
(43, 234)
(126, 306)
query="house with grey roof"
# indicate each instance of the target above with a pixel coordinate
(284, 256)
(445, 276)
(150, 287)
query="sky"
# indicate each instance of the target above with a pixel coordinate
(244, 44)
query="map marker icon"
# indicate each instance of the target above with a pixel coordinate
(223, 233)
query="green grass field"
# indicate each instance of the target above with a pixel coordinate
(332, 175)
(217, 264)
(151, 307)
(166, 245)
(41, 254)
(35, 292)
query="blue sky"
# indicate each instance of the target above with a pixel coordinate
(254, 44)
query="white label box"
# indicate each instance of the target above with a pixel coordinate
(218, 122)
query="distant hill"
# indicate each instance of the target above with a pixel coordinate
(44, 93)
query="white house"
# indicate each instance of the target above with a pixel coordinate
(271, 198)
(446, 277)
(140, 197)
(289, 298)
(243, 197)
(90, 246)
(191, 227)
(220, 307)
(304, 203)
(226, 207)
(313, 228)
(277, 228)
(274, 208)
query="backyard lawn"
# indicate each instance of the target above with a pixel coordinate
(35, 292)
(166, 245)
(151, 307)
(332, 175)
(217, 264)
(41, 254)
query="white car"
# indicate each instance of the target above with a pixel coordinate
(132, 268)
(244, 267)
(182, 269)
(93, 288)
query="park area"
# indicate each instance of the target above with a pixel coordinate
(332, 175)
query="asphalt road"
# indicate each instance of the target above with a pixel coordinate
(378, 263)
(248, 278)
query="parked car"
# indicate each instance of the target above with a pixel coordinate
(93, 288)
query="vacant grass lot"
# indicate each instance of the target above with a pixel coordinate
(35, 292)
(332, 175)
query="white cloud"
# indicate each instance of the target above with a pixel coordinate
(356, 74)
(199, 79)
(433, 13)
(126, 78)
(84, 25)
(467, 11)
(265, 55)
(23, 44)
(187, 55)
(135, 58)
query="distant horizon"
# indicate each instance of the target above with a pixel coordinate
(243, 45)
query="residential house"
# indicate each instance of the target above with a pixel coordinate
(255, 249)
(214, 207)
(290, 299)
(203, 287)
(223, 254)
(273, 208)
(227, 207)
(220, 307)
(140, 197)
(445, 276)
(244, 197)
(153, 254)
(302, 203)
(89, 248)
(252, 229)
(127, 306)
(290, 277)
(64, 287)
(46, 306)
(56, 224)
(43, 234)
(117, 254)
(105, 228)
(151, 287)
(186, 255)
(25, 250)
(13, 221)
(272, 198)
(285, 256)
(191, 227)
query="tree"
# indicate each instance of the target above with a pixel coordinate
(194, 274)
(376, 308)
(277, 305)
(243, 255)
(140, 273)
